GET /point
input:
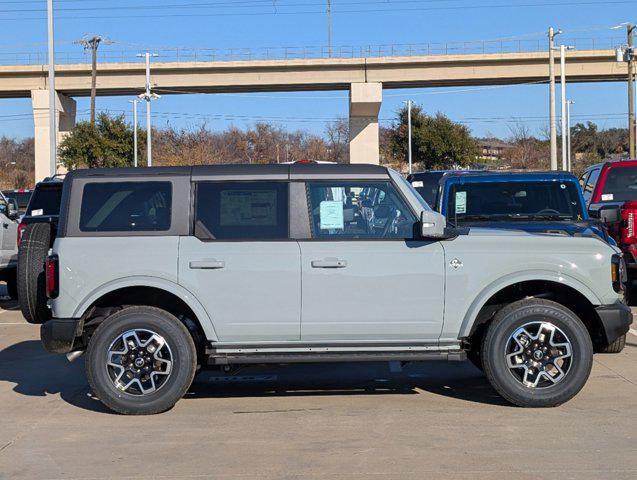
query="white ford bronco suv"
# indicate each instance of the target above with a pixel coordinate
(157, 273)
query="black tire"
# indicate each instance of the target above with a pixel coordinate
(12, 285)
(31, 278)
(494, 348)
(183, 356)
(615, 347)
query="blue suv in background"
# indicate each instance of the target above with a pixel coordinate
(541, 202)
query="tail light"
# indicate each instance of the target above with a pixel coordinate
(52, 269)
(629, 217)
(21, 228)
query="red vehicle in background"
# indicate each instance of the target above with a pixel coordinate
(610, 191)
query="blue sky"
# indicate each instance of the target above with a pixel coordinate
(253, 24)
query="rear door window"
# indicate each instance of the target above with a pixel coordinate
(126, 207)
(241, 211)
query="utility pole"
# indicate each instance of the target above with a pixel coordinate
(134, 102)
(329, 28)
(409, 134)
(631, 99)
(148, 96)
(91, 43)
(568, 136)
(552, 34)
(53, 148)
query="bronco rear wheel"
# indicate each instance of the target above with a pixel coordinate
(537, 353)
(140, 361)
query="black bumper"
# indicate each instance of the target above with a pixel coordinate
(58, 334)
(616, 320)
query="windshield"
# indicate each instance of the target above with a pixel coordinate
(620, 185)
(46, 200)
(21, 197)
(426, 184)
(514, 201)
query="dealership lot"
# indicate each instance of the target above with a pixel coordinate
(435, 420)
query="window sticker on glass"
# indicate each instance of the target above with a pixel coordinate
(607, 197)
(417, 184)
(244, 208)
(37, 213)
(461, 202)
(331, 214)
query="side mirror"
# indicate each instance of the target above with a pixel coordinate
(432, 224)
(610, 214)
(13, 212)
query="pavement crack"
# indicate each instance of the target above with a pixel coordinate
(616, 373)
(5, 446)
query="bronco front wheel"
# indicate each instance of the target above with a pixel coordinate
(537, 353)
(140, 361)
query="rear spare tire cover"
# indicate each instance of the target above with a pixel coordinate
(34, 247)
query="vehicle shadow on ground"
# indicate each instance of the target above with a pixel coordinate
(455, 380)
(36, 373)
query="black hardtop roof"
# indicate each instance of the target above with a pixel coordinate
(295, 170)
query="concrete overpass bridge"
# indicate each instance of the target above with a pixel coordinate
(365, 78)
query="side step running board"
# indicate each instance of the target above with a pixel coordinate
(217, 358)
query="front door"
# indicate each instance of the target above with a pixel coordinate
(363, 275)
(240, 264)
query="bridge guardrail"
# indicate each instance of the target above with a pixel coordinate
(111, 54)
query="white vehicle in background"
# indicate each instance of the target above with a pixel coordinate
(8, 244)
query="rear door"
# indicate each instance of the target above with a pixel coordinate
(364, 276)
(240, 262)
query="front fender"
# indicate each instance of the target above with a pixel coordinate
(160, 283)
(511, 279)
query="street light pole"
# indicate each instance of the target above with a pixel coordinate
(134, 102)
(52, 114)
(631, 100)
(553, 125)
(563, 49)
(148, 96)
(409, 134)
(568, 134)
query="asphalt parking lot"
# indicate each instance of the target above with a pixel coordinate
(434, 420)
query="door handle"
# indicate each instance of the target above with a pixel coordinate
(207, 264)
(329, 263)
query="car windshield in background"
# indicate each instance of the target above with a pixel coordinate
(514, 201)
(46, 200)
(620, 185)
(426, 184)
(21, 197)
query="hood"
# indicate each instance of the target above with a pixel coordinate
(579, 229)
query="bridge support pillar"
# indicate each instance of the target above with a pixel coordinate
(364, 104)
(65, 110)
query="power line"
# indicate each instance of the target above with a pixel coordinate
(321, 12)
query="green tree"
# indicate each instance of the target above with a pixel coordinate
(108, 144)
(437, 141)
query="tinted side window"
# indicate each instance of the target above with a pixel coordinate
(46, 200)
(126, 207)
(590, 184)
(241, 211)
(359, 210)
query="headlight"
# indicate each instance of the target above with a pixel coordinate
(618, 272)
